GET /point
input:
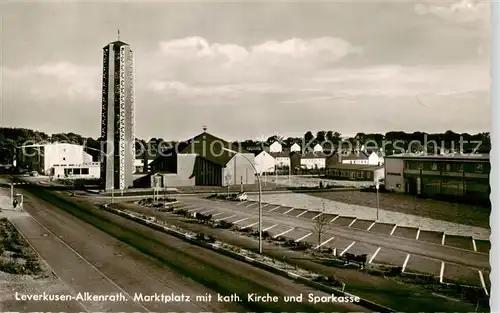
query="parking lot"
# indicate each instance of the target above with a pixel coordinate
(409, 263)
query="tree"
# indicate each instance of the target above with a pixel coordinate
(320, 136)
(320, 223)
(308, 136)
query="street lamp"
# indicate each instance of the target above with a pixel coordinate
(260, 194)
(377, 186)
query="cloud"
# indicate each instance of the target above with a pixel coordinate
(53, 81)
(463, 11)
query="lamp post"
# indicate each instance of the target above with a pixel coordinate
(377, 186)
(260, 195)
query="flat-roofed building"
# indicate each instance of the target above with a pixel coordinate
(440, 176)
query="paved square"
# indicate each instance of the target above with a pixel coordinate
(270, 207)
(309, 215)
(430, 236)
(382, 228)
(280, 230)
(343, 221)
(405, 232)
(459, 242)
(247, 223)
(389, 257)
(362, 224)
(339, 243)
(419, 264)
(231, 218)
(487, 281)
(295, 212)
(363, 248)
(461, 274)
(483, 246)
(329, 217)
(298, 234)
(282, 209)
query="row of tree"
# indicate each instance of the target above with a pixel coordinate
(15, 137)
(388, 142)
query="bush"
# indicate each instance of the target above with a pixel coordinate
(281, 239)
(224, 225)
(395, 271)
(265, 235)
(302, 246)
(182, 212)
(289, 243)
(11, 267)
(200, 236)
(211, 239)
(33, 266)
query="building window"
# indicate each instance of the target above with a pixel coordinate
(420, 165)
(460, 167)
(407, 165)
(64, 159)
(478, 168)
(85, 171)
(434, 166)
(448, 167)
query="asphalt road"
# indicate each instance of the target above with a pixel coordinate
(88, 259)
(305, 222)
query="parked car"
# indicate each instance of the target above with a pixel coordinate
(242, 196)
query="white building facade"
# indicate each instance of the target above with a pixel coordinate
(91, 170)
(264, 163)
(63, 154)
(275, 147)
(295, 148)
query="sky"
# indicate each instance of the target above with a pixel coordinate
(249, 70)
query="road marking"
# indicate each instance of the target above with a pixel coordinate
(242, 202)
(205, 212)
(483, 283)
(265, 204)
(474, 245)
(317, 216)
(243, 219)
(302, 213)
(303, 237)
(289, 210)
(441, 273)
(393, 230)
(225, 218)
(279, 206)
(195, 209)
(248, 226)
(374, 255)
(91, 265)
(349, 247)
(405, 263)
(189, 206)
(418, 234)
(253, 204)
(442, 240)
(285, 232)
(372, 225)
(352, 222)
(217, 214)
(270, 227)
(324, 242)
(247, 206)
(336, 217)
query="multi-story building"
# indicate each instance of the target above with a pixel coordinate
(117, 128)
(441, 176)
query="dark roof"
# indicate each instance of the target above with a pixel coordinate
(314, 155)
(209, 147)
(117, 43)
(455, 156)
(359, 167)
(284, 154)
(356, 156)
